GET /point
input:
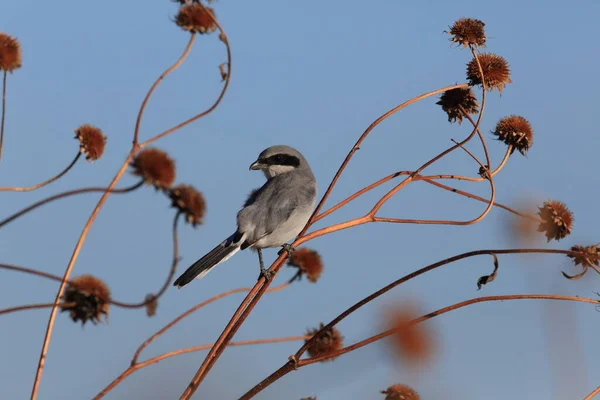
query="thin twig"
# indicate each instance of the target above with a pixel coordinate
(34, 306)
(42, 184)
(67, 194)
(3, 112)
(593, 394)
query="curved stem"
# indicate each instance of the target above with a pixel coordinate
(34, 306)
(192, 310)
(593, 394)
(291, 365)
(47, 182)
(67, 194)
(3, 112)
(172, 68)
(170, 354)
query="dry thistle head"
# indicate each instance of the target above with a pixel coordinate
(190, 202)
(515, 131)
(557, 220)
(90, 296)
(454, 101)
(308, 262)
(412, 341)
(400, 392)
(495, 71)
(91, 141)
(196, 17)
(10, 53)
(590, 256)
(155, 167)
(326, 343)
(468, 32)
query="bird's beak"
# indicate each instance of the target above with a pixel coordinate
(257, 165)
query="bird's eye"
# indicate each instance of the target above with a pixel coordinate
(278, 158)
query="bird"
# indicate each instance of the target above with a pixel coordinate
(271, 216)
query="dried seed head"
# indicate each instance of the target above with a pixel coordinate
(413, 342)
(151, 304)
(10, 53)
(400, 392)
(590, 256)
(454, 101)
(91, 141)
(195, 17)
(308, 262)
(495, 70)
(190, 202)
(91, 297)
(468, 31)
(155, 167)
(557, 220)
(515, 131)
(326, 343)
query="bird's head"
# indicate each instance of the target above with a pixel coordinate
(277, 160)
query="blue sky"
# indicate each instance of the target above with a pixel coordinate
(313, 76)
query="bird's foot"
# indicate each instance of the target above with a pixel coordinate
(267, 274)
(287, 247)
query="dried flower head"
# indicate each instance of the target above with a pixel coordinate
(468, 32)
(400, 392)
(190, 202)
(457, 102)
(590, 256)
(495, 70)
(151, 304)
(196, 17)
(515, 131)
(155, 167)
(10, 53)
(91, 141)
(413, 342)
(557, 220)
(308, 262)
(90, 297)
(326, 343)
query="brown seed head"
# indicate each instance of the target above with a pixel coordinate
(590, 256)
(10, 53)
(91, 297)
(454, 101)
(196, 17)
(468, 31)
(515, 131)
(151, 304)
(557, 220)
(155, 167)
(326, 343)
(400, 392)
(495, 70)
(412, 341)
(308, 262)
(91, 141)
(190, 202)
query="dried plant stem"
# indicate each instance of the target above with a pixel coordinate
(67, 194)
(192, 310)
(296, 363)
(45, 183)
(593, 394)
(33, 307)
(133, 368)
(3, 112)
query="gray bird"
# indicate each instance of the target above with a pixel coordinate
(272, 215)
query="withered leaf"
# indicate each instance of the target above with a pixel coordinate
(484, 280)
(151, 305)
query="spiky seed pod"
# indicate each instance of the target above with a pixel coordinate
(155, 167)
(515, 131)
(190, 202)
(557, 220)
(91, 297)
(326, 343)
(10, 53)
(468, 31)
(413, 342)
(495, 70)
(590, 256)
(196, 17)
(400, 392)
(308, 262)
(91, 141)
(454, 101)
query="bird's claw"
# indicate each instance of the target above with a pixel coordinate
(287, 247)
(267, 274)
